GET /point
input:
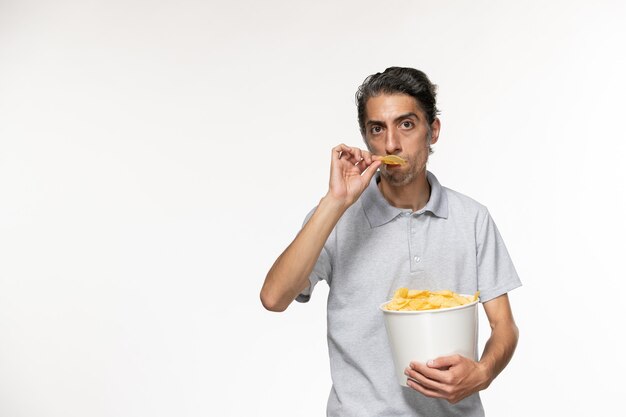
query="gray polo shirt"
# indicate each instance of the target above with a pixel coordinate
(452, 243)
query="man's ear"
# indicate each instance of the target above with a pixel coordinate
(435, 127)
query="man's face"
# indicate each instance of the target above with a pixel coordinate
(396, 125)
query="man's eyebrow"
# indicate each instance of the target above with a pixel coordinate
(397, 119)
(406, 116)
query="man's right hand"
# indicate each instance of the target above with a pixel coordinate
(351, 170)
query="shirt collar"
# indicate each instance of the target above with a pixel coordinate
(378, 211)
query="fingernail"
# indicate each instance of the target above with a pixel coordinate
(406, 372)
(431, 362)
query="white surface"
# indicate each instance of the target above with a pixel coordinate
(132, 251)
(423, 335)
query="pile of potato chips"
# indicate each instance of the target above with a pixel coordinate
(414, 300)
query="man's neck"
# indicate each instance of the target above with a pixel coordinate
(413, 195)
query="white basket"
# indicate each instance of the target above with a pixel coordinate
(424, 335)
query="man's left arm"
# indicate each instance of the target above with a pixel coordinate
(456, 377)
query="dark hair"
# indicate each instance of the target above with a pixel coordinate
(396, 80)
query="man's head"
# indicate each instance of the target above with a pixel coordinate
(397, 80)
(398, 116)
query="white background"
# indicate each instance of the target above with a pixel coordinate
(157, 156)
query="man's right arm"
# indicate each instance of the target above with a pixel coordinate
(289, 276)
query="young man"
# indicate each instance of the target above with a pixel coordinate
(380, 227)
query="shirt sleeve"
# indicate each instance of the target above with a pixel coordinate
(321, 271)
(496, 273)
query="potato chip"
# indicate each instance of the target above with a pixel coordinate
(418, 300)
(416, 293)
(392, 160)
(401, 293)
(398, 304)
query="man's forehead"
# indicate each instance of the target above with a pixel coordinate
(391, 105)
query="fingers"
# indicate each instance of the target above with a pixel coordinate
(368, 170)
(430, 387)
(367, 157)
(417, 371)
(444, 362)
(337, 151)
(429, 372)
(450, 377)
(422, 389)
(352, 155)
(343, 151)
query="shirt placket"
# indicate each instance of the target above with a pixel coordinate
(415, 249)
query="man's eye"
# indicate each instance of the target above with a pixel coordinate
(376, 129)
(407, 124)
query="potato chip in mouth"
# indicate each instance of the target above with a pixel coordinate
(392, 160)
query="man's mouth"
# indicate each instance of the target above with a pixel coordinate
(393, 160)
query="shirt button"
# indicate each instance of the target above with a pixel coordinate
(416, 259)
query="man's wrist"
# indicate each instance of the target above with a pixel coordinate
(487, 373)
(334, 204)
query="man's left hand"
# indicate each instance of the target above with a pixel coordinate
(449, 377)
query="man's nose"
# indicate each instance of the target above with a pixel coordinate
(392, 144)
